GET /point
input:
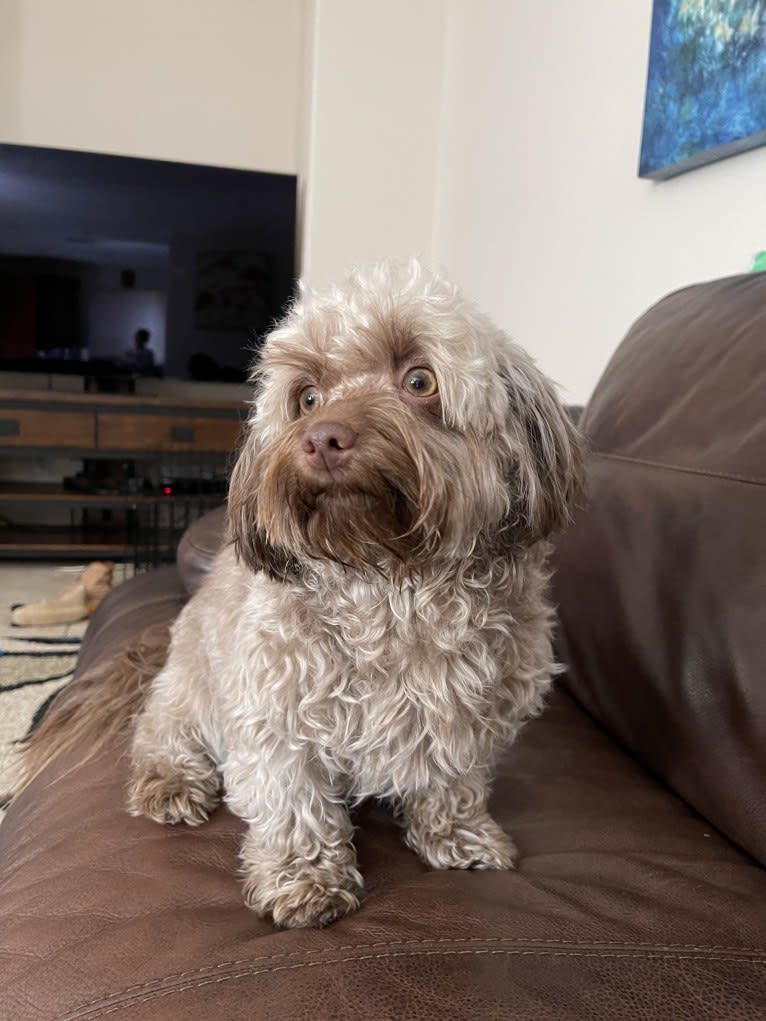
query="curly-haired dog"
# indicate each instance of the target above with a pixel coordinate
(378, 625)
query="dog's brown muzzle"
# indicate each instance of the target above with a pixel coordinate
(327, 445)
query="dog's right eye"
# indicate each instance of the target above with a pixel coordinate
(420, 382)
(309, 398)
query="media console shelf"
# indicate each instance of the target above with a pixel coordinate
(140, 515)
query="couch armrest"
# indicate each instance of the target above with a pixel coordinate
(198, 548)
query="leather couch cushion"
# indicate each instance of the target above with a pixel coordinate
(625, 905)
(151, 598)
(198, 547)
(661, 583)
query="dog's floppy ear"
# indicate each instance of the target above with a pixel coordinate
(546, 463)
(245, 530)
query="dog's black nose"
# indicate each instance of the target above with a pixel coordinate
(327, 444)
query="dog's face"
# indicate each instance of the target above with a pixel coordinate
(394, 424)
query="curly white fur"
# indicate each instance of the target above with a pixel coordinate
(378, 626)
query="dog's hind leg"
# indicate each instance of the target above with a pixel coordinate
(173, 778)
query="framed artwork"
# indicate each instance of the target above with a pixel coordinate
(706, 87)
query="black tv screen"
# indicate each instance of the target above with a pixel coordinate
(113, 266)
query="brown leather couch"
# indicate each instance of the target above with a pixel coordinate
(638, 800)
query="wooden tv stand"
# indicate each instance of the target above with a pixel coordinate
(194, 437)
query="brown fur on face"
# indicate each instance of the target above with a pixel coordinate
(391, 505)
(412, 487)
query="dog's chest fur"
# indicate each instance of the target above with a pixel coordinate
(397, 685)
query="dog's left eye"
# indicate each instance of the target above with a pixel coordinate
(420, 382)
(309, 398)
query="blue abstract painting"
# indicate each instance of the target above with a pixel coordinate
(706, 89)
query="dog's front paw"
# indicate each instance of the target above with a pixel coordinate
(309, 899)
(167, 795)
(308, 905)
(479, 844)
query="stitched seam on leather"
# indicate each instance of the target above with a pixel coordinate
(82, 1013)
(621, 949)
(749, 480)
(615, 943)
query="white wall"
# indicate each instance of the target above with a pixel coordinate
(201, 81)
(372, 132)
(498, 137)
(540, 212)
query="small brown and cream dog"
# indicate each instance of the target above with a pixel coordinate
(378, 625)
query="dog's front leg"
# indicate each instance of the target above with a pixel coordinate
(172, 777)
(298, 859)
(449, 827)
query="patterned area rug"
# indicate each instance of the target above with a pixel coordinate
(32, 670)
(29, 681)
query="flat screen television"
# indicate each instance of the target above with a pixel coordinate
(112, 266)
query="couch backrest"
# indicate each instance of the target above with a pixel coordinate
(661, 581)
